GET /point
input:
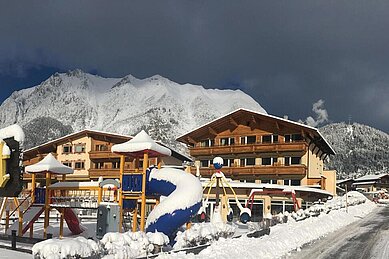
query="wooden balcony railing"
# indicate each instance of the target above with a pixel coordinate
(102, 155)
(276, 170)
(108, 172)
(250, 148)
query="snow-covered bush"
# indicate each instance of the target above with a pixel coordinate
(203, 233)
(78, 247)
(132, 244)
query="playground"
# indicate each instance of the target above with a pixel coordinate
(152, 209)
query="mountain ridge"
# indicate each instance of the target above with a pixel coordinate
(122, 105)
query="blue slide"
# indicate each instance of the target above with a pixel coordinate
(183, 194)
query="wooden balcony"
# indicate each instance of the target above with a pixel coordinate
(250, 148)
(105, 173)
(108, 172)
(103, 155)
(276, 170)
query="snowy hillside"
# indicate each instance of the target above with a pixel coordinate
(360, 149)
(123, 105)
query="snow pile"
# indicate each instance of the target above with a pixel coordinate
(132, 244)
(65, 248)
(14, 131)
(203, 233)
(285, 238)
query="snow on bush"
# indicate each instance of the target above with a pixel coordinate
(112, 245)
(132, 244)
(65, 248)
(203, 233)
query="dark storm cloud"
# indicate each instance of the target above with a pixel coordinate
(286, 54)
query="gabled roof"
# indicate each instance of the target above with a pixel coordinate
(76, 135)
(250, 118)
(86, 132)
(370, 177)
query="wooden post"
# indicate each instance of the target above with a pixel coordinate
(32, 231)
(100, 195)
(135, 219)
(47, 205)
(33, 185)
(143, 204)
(20, 214)
(6, 221)
(122, 161)
(159, 162)
(61, 223)
(346, 200)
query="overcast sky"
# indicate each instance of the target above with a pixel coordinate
(286, 54)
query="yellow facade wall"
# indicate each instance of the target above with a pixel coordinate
(75, 157)
(330, 182)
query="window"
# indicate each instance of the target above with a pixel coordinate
(115, 165)
(228, 162)
(250, 161)
(248, 140)
(207, 143)
(79, 165)
(227, 141)
(79, 148)
(269, 181)
(275, 138)
(287, 138)
(266, 161)
(295, 160)
(269, 160)
(251, 139)
(99, 165)
(67, 163)
(292, 182)
(101, 148)
(287, 160)
(266, 139)
(204, 163)
(67, 149)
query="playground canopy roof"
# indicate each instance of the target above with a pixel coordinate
(49, 164)
(140, 144)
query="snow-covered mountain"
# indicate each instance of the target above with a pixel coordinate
(123, 105)
(360, 149)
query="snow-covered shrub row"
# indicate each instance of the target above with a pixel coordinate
(78, 247)
(203, 233)
(338, 202)
(112, 245)
(132, 244)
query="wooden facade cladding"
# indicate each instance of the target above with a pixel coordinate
(251, 148)
(295, 171)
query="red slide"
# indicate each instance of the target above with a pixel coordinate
(73, 222)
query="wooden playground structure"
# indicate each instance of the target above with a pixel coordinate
(129, 191)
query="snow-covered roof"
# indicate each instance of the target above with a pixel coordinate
(235, 184)
(49, 164)
(343, 181)
(370, 177)
(140, 143)
(365, 183)
(71, 135)
(268, 116)
(14, 131)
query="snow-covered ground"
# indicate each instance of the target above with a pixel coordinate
(5, 253)
(284, 238)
